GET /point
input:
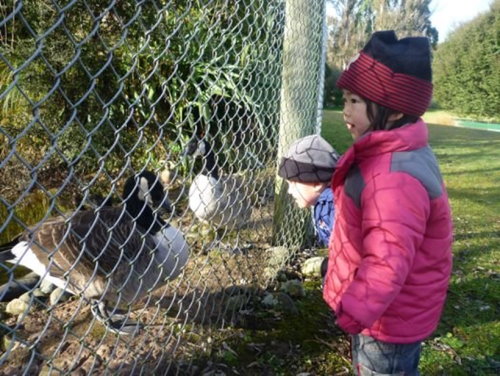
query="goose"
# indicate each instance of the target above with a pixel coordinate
(222, 201)
(112, 257)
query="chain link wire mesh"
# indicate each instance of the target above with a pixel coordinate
(113, 111)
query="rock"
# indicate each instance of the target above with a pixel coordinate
(293, 288)
(312, 267)
(286, 304)
(280, 302)
(26, 297)
(58, 296)
(167, 176)
(269, 300)
(235, 303)
(17, 307)
(11, 343)
(38, 293)
(47, 287)
(277, 258)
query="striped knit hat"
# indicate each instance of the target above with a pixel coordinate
(393, 73)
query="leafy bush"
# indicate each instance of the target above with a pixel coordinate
(332, 94)
(98, 88)
(467, 68)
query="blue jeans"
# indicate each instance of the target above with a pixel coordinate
(371, 357)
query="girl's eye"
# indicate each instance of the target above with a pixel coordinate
(350, 100)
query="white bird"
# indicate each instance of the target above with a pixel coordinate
(114, 255)
(223, 201)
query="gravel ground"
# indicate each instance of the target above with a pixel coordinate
(178, 320)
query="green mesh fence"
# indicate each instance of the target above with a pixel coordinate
(139, 145)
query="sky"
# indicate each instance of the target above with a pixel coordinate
(447, 14)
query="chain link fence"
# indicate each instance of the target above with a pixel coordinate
(139, 205)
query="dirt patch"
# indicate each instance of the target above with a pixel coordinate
(224, 272)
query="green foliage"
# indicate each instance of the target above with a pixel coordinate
(467, 68)
(353, 22)
(105, 86)
(332, 96)
(335, 131)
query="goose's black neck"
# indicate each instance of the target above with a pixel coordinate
(210, 166)
(139, 210)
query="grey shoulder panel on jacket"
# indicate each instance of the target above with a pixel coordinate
(420, 164)
(354, 185)
(423, 166)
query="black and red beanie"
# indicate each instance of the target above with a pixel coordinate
(393, 73)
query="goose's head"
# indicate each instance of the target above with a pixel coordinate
(144, 196)
(197, 148)
(201, 148)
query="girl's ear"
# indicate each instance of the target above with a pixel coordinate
(395, 117)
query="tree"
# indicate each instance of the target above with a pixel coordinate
(467, 68)
(353, 21)
(349, 27)
(406, 17)
(103, 86)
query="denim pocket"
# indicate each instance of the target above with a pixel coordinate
(372, 357)
(365, 371)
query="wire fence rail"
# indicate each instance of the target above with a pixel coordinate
(139, 205)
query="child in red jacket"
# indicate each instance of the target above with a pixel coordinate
(390, 253)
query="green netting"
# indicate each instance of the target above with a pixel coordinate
(478, 125)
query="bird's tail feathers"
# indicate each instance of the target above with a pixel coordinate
(6, 250)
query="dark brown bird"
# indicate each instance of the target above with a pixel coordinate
(114, 255)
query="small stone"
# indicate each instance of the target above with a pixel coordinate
(277, 258)
(26, 297)
(38, 293)
(294, 288)
(47, 287)
(286, 304)
(269, 300)
(17, 307)
(312, 267)
(58, 296)
(236, 302)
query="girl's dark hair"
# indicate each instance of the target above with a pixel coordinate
(379, 116)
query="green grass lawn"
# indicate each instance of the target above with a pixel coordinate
(468, 340)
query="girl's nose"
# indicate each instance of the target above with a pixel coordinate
(345, 112)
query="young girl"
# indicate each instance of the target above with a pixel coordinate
(390, 255)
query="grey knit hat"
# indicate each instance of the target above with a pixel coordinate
(310, 159)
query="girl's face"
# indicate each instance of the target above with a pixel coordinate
(355, 114)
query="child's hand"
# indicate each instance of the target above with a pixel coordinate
(348, 324)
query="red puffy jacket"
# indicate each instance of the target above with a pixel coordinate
(390, 254)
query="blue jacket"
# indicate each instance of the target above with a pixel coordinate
(324, 212)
